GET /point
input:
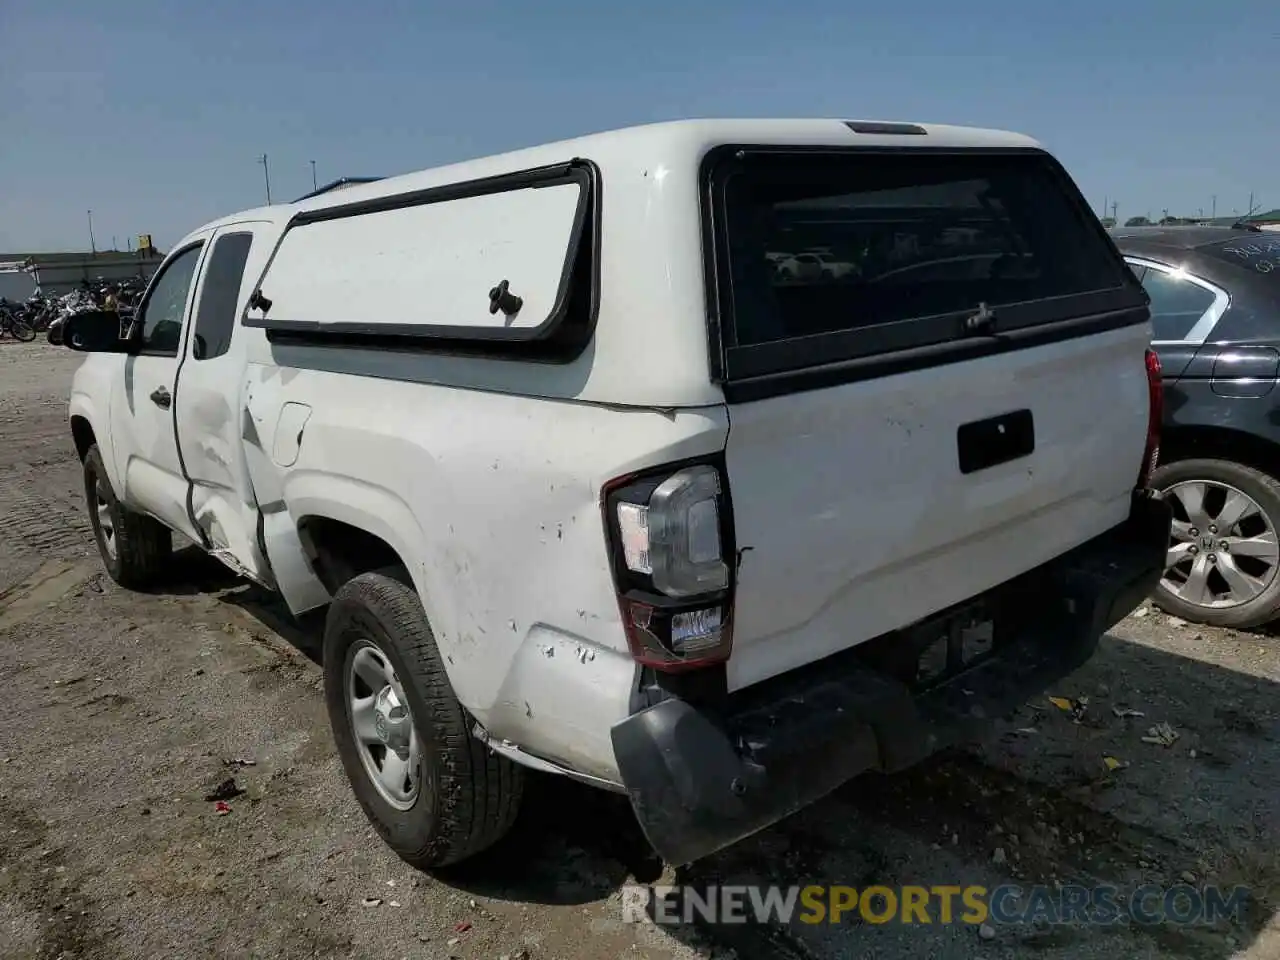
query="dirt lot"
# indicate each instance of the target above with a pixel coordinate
(119, 712)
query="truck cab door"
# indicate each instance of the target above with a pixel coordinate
(216, 435)
(208, 404)
(142, 408)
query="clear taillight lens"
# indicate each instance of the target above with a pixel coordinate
(675, 537)
(671, 538)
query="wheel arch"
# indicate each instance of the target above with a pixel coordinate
(347, 527)
(1220, 443)
(339, 550)
(89, 426)
(82, 435)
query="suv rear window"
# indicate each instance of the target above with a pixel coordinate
(887, 252)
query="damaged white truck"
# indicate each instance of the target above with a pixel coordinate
(591, 485)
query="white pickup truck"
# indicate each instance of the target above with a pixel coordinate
(588, 490)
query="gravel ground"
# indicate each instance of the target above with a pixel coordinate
(120, 712)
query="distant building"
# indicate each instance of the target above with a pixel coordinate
(58, 273)
(1263, 221)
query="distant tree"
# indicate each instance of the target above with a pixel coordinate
(1137, 222)
(1108, 222)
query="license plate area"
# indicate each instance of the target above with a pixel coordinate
(953, 644)
(936, 650)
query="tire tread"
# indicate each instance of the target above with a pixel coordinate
(143, 544)
(478, 791)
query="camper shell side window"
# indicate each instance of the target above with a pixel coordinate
(504, 266)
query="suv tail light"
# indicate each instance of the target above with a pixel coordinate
(670, 535)
(1155, 414)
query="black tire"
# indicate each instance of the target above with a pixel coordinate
(469, 796)
(21, 330)
(1264, 489)
(139, 549)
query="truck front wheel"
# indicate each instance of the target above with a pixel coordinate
(134, 547)
(433, 792)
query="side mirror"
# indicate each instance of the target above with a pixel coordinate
(98, 331)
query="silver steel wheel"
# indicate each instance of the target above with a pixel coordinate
(107, 526)
(1224, 550)
(389, 747)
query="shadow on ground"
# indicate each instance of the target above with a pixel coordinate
(1038, 788)
(194, 572)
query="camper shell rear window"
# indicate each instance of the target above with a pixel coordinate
(882, 260)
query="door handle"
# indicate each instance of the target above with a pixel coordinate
(161, 397)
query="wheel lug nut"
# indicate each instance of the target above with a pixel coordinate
(1212, 558)
(1195, 532)
(1212, 528)
(1194, 549)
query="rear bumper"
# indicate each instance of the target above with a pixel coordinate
(701, 779)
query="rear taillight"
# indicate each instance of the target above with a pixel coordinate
(670, 535)
(1155, 414)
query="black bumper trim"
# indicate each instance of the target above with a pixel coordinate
(700, 779)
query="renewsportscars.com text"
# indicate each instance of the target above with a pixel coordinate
(943, 903)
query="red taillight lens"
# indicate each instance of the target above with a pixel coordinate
(1155, 414)
(670, 536)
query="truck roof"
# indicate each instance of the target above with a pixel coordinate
(657, 145)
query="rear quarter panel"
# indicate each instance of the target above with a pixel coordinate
(493, 502)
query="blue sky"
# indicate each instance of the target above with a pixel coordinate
(152, 113)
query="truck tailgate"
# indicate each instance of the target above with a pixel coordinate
(855, 519)
(956, 394)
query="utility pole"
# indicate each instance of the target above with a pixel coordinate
(1114, 215)
(1105, 198)
(266, 176)
(92, 245)
(1214, 214)
(314, 185)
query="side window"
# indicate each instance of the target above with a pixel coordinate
(1176, 304)
(161, 315)
(216, 315)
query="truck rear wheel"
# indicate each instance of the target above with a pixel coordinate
(134, 547)
(434, 792)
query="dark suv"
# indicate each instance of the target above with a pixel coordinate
(1215, 306)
